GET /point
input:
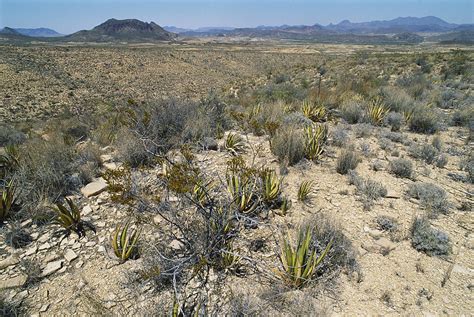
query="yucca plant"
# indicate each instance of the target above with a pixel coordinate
(124, 243)
(300, 263)
(305, 190)
(234, 143)
(254, 111)
(242, 192)
(8, 201)
(376, 111)
(315, 138)
(271, 186)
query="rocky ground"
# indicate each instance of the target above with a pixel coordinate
(58, 275)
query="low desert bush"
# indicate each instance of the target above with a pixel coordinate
(431, 197)
(401, 167)
(425, 152)
(396, 99)
(463, 116)
(394, 120)
(288, 145)
(15, 236)
(339, 136)
(363, 130)
(352, 111)
(10, 136)
(386, 223)
(424, 120)
(368, 190)
(428, 239)
(348, 160)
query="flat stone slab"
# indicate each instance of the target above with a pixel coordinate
(70, 255)
(11, 260)
(14, 282)
(94, 188)
(52, 267)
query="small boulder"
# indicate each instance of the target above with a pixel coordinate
(70, 255)
(94, 188)
(11, 260)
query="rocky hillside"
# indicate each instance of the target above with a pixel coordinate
(129, 30)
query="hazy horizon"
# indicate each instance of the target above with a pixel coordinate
(74, 15)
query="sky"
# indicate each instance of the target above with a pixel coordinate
(68, 16)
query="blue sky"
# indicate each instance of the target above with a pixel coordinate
(67, 16)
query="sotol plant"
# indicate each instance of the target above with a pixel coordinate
(300, 263)
(125, 243)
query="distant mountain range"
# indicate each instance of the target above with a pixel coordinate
(406, 30)
(38, 32)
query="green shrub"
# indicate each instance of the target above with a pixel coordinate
(401, 167)
(288, 145)
(347, 160)
(429, 240)
(425, 152)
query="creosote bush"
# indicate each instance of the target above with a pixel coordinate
(428, 239)
(368, 189)
(424, 120)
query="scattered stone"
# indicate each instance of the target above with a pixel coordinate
(11, 260)
(106, 158)
(392, 194)
(21, 295)
(111, 166)
(86, 210)
(26, 223)
(79, 264)
(374, 233)
(51, 257)
(101, 249)
(44, 308)
(385, 245)
(44, 246)
(14, 282)
(52, 267)
(100, 224)
(43, 238)
(175, 245)
(76, 245)
(90, 244)
(157, 220)
(94, 188)
(70, 255)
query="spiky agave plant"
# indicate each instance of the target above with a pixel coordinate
(305, 190)
(10, 160)
(124, 243)
(271, 186)
(315, 138)
(407, 115)
(376, 111)
(300, 263)
(234, 143)
(284, 207)
(242, 192)
(8, 201)
(69, 218)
